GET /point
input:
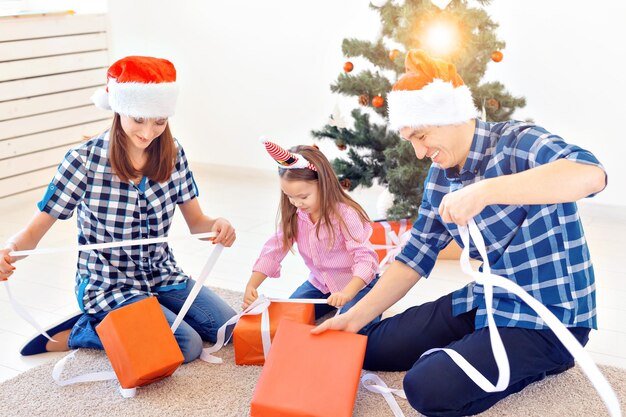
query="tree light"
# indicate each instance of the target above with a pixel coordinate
(441, 38)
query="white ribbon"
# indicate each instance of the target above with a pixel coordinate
(259, 306)
(104, 376)
(373, 383)
(488, 280)
(210, 263)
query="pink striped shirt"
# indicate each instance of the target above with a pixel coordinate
(332, 268)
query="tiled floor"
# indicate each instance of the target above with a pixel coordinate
(44, 284)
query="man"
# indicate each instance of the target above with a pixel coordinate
(519, 183)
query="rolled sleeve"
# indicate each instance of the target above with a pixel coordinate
(67, 187)
(357, 244)
(271, 256)
(540, 148)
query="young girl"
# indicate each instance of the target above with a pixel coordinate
(125, 184)
(331, 230)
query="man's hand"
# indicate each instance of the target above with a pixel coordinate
(341, 322)
(462, 205)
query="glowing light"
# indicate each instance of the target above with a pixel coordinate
(441, 38)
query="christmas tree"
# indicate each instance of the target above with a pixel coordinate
(454, 32)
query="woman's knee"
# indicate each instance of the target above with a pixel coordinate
(190, 344)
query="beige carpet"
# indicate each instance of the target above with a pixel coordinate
(202, 389)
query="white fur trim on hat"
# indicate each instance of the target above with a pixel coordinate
(101, 99)
(149, 100)
(436, 104)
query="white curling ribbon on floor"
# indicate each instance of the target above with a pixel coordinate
(488, 280)
(374, 383)
(259, 306)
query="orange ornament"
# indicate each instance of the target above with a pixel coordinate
(378, 101)
(496, 56)
(348, 66)
(393, 54)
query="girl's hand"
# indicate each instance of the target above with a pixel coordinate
(249, 296)
(6, 263)
(225, 232)
(339, 299)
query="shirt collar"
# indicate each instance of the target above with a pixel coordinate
(481, 142)
(98, 159)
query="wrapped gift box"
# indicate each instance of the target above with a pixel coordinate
(139, 343)
(309, 375)
(247, 333)
(388, 234)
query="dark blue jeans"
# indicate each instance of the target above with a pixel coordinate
(206, 315)
(435, 385)
(307, 290)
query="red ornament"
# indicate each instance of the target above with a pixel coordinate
(393, 54)
(348, 66)
(378, 101)
(346, 184)
(496, 56)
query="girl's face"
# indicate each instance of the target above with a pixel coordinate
(141, 132)
(303, 195)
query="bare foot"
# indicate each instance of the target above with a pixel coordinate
(61, 342)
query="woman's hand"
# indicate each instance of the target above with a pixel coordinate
(6, 262)
(225, 232)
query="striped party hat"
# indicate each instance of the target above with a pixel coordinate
(286, 159)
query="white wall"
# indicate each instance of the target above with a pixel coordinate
(249, 68)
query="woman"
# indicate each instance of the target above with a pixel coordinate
(125, 184)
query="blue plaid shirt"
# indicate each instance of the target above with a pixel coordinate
(111, 210)
(540, 247)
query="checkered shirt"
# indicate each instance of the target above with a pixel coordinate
(540, 247)
(111, 210)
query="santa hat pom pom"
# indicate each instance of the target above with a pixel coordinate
(101, 99)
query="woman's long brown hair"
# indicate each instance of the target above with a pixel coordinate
(330, 195)
(161, 155)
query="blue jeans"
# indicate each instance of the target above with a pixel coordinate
(205, 316)
(307, 290)
(435, 385)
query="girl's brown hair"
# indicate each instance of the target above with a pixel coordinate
(161, 155)
(330, 195)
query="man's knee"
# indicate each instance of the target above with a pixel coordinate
(428, 392)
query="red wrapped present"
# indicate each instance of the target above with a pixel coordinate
(388, 238)
(247, 338)
(309, 375)
(139, 343)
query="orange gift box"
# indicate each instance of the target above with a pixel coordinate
(309, 375)
(380, 237)
(247, 333)
(139, 343)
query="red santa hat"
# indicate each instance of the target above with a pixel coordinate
(286, 159)
(430, 93)
(139, 86)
